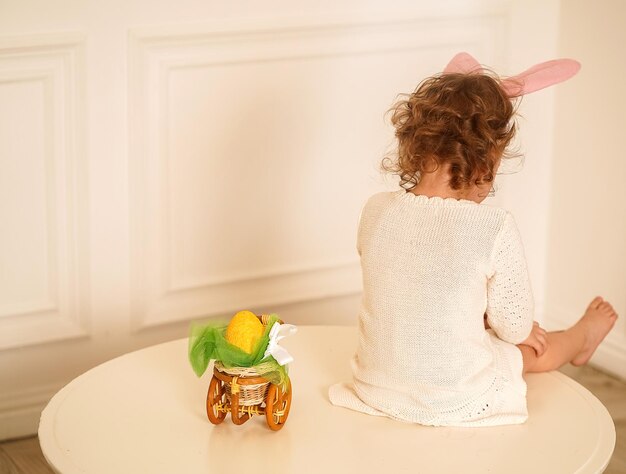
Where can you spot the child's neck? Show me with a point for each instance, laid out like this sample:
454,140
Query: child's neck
436,184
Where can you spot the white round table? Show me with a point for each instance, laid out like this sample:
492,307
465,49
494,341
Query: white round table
145,412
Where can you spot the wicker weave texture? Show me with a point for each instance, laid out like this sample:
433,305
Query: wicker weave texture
253,394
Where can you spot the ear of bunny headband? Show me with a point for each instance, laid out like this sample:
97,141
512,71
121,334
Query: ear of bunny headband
536,78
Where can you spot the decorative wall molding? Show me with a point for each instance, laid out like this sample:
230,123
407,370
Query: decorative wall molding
20,411
53,64
264,290
157,53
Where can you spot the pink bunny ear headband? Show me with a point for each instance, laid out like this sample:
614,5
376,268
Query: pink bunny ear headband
537,77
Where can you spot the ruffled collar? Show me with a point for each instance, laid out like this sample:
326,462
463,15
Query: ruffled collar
434,200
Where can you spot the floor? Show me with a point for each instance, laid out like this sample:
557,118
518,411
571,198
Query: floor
24,455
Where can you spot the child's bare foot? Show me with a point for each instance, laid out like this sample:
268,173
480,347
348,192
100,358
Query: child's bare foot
596,323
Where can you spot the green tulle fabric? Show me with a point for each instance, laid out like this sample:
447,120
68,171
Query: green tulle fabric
207,342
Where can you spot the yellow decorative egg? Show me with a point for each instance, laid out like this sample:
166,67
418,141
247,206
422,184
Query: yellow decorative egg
244,331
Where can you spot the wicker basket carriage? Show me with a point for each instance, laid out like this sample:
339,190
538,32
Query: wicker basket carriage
243,393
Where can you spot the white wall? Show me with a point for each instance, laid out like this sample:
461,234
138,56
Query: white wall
166,161
587,238
523,184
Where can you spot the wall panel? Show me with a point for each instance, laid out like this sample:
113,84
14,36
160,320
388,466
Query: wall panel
40,145
248,147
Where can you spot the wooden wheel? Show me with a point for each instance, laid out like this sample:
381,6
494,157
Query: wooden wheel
277,406
216,401
238,419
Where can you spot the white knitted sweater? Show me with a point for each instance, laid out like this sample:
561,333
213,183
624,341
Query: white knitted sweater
432,268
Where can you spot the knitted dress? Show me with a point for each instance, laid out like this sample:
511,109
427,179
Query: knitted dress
432,268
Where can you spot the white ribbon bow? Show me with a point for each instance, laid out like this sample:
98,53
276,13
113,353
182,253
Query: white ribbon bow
278,332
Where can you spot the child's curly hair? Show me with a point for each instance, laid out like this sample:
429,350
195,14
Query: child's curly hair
464,120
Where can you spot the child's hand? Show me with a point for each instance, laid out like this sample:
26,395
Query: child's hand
538,339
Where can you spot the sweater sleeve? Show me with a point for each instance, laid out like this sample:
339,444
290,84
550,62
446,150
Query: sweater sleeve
510,308
358,232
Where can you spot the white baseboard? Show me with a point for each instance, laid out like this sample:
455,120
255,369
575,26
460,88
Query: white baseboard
20,411
611,358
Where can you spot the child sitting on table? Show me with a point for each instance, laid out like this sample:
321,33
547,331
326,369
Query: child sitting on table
446,327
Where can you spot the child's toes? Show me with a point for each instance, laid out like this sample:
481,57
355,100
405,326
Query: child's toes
609,312
597,301
606,307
